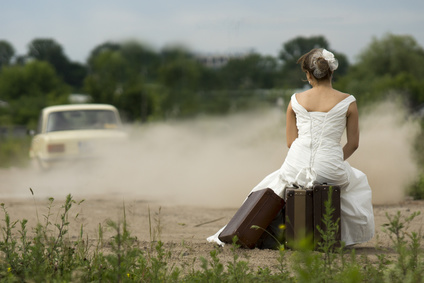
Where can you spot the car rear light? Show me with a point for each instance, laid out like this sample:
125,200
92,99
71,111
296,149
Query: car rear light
56,147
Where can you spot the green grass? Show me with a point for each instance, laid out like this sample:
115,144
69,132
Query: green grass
14,152
46,253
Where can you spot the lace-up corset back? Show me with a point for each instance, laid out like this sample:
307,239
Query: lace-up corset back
321,129
317,153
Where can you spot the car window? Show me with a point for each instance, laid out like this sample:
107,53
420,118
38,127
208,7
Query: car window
81,120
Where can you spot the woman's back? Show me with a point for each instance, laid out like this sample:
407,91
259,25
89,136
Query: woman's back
320,99
317,146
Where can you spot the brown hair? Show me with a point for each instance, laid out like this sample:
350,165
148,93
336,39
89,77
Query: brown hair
313,63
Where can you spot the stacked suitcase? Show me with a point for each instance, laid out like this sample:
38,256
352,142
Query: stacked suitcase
305,210
259,209
299,215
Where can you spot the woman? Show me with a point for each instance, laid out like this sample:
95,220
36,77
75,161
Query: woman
316,120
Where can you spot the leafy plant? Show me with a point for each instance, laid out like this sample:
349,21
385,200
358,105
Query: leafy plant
46,254
328,233
417,188
409,265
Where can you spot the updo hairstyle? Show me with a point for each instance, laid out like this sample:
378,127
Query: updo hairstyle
314,63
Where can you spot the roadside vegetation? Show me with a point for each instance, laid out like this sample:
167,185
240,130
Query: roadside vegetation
14,152
176,83
47,253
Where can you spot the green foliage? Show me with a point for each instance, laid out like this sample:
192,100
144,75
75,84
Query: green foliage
6,53
409,266
394,63
47,254
392,54
293,49
250,72
107,77
48,50
149,85
179,74
28,89
291,74
328,233
238,270
126,76
14,152
416,190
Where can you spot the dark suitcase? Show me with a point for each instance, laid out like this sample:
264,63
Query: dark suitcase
320,196
299,216
259,209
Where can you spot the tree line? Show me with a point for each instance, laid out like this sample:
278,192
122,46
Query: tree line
147,84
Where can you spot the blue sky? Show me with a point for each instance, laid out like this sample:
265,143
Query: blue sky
216,27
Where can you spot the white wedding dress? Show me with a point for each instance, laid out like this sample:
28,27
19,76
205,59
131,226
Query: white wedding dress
317,156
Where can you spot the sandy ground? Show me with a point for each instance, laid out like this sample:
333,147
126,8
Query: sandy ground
192,176
184,229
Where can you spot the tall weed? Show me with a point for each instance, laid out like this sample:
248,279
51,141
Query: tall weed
46,254
409,266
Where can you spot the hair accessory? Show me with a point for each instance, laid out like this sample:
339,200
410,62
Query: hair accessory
329,57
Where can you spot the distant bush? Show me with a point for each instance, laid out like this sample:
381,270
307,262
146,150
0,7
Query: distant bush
14,152
417,188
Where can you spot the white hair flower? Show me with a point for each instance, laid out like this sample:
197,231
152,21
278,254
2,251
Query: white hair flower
329,57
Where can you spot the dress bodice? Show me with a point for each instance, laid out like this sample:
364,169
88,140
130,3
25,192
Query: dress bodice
316,154
321,128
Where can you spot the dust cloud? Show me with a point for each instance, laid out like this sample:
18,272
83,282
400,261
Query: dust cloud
216,161
386,152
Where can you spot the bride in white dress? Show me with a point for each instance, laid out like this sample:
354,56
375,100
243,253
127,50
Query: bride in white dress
316,121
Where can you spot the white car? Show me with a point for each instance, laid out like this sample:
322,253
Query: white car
73,132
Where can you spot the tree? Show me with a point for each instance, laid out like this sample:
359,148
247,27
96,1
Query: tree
107,46
293,49
50,51
179,73
252,71
125,75
391,55
108,76
291,73
30,88
142,60
6,53
392,64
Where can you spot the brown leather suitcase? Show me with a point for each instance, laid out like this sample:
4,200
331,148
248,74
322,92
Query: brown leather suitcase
299,216
320,196
259,209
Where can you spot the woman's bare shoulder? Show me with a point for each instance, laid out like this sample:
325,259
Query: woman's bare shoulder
342,95
306,93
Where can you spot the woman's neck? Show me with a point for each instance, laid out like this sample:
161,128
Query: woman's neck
322,84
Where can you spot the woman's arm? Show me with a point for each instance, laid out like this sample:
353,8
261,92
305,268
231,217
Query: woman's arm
291,128
352,131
